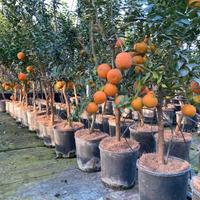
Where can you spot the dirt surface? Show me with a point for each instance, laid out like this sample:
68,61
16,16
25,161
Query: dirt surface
196,183
146,128
124,145
65,127
150,162
86,135
177,137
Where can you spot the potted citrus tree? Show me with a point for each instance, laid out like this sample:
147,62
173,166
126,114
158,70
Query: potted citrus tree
160,176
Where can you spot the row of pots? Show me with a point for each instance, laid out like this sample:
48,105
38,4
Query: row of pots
118,166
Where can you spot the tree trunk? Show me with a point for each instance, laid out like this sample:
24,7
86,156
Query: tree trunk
93,123
178,126
117,121
75,94
141,118
52,104
67,106
34,97
160,151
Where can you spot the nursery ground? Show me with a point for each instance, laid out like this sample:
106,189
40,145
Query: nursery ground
29,170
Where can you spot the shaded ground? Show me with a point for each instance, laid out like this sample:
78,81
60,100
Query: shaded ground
29,171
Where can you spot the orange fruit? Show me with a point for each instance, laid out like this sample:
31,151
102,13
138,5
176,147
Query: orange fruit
29,69
22,76
92,108
194,3
188,110
137,104
20,56
137,60
150,101
119,43
123,60
195,87
59,85
7,87
119,99
110,89
99,97
102,70
140,47
114,76
138,69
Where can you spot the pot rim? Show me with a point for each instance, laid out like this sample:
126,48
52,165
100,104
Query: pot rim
193,189
164,174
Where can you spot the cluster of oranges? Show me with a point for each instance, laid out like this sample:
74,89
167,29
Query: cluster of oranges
29,69
123,61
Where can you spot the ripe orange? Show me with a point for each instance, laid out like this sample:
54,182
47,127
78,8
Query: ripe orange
20,55
150,101
114,76
137,60
99,97
92,108
22,76
123,60
110,89
140,47
119,99
29,69
137,104
195,87
138,69
119,43
188,110
59,85
102,70
194,3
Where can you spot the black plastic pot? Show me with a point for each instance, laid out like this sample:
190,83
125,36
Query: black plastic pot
84,120
179,149
124,125
118,170
108,108
2,106
65,141
162,186
149,115
88,153
146,140
169,117
195,193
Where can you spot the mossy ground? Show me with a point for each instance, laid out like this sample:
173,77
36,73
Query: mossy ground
23,158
